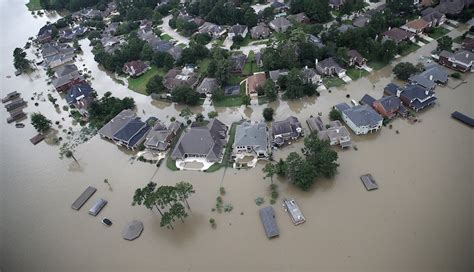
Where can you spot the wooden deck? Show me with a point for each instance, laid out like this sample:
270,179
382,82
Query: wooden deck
267,215
81,200
369,182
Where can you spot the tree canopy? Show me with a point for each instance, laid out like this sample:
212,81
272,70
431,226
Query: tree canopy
404,70
40,122
103,110
185,95
19,60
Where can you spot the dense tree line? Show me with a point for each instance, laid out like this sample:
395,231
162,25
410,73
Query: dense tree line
103,110
224,12
185,95
19,60
72,5
316,10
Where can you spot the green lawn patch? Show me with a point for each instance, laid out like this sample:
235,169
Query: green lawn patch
182,45
235,80
166,37
411,47
356,73
438,32
170,163
377,65
203,65
138,84
34,5
333,82
248,67
458,40
229,101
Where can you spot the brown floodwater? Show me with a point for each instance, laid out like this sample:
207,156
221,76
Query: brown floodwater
420,219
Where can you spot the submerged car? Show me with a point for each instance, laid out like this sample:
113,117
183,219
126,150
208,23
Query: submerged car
107,222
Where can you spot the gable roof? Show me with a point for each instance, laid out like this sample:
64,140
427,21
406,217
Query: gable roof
114,125
254,81
237,29
205,141
77,91
363,115
132,132
208,85
280,22
367,100
288,126
418,24
247,134
390,103
276,74
397,34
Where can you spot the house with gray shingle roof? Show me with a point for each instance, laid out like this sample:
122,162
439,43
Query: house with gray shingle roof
114,125
362,119
335,132
160,137
260,31
237,30
286,130
251,139
280,24
79,95
207,86
329,67
276,74
460,60
202,142
132,133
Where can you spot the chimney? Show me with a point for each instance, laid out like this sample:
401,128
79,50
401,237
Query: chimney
399,92
306,67
316,61
427,92
431,77
389,28
467,55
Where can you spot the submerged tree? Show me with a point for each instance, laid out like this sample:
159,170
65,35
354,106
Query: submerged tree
184,190
66,151
40,122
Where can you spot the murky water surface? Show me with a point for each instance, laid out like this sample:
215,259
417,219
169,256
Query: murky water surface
421,218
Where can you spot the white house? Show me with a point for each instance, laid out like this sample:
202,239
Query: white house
362,119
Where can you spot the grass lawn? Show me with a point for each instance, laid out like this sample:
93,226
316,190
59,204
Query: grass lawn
229,101
139,84
166,37
203,64
248,67
458,40
333,82
235,80
170,163
34,5
411,47
438,32
182,45
356,73
377,65
228,151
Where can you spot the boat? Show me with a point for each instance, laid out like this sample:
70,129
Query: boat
19,125
106,222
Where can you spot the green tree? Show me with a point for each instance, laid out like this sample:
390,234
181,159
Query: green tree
19,60
66,151
166,219
320,156
270,171
246,100
212,114
185,95
270,90
300,172
40,122
147,197
445,43
268,114
335,115
184,191
404,70
155,85
178,210
280,168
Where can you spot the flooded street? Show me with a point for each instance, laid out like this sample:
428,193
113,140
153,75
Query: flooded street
420,219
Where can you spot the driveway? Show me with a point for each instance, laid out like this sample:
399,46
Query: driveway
165,27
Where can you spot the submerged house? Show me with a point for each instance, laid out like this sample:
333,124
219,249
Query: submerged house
433,75
413,96
160,137
460,60
65,77
334,132
389,107
125,129
202,142
251,139
80,95
362,119
286,130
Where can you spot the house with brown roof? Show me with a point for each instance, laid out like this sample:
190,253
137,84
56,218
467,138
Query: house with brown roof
183,77
468,44
417,26
389,106
398,35
355,58
460,60
135,68
253,82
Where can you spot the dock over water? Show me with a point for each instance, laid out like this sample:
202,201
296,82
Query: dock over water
294,211
463,118
267,215
83,198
